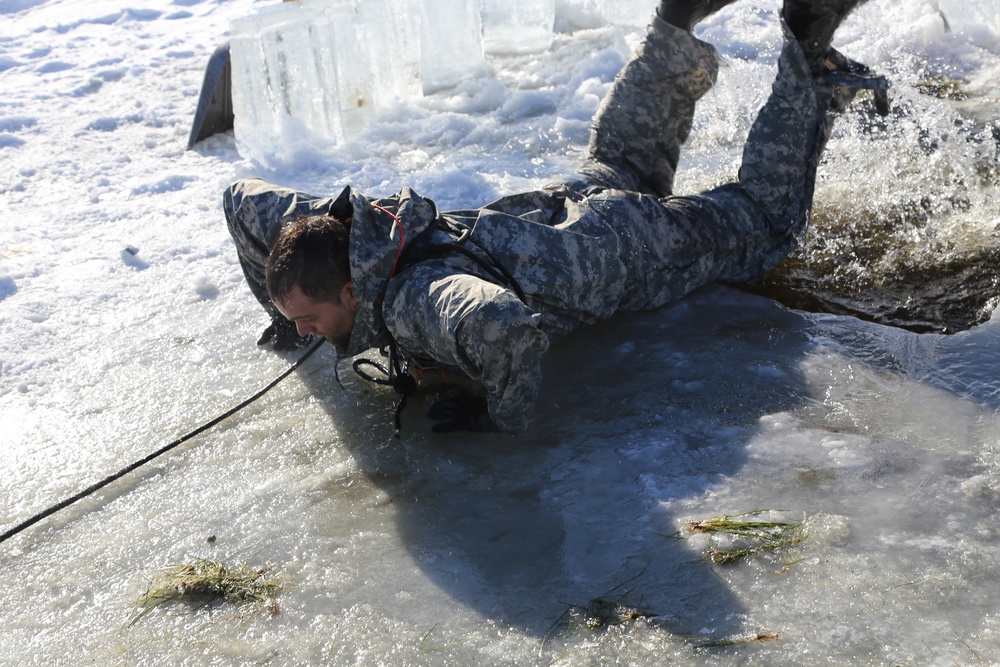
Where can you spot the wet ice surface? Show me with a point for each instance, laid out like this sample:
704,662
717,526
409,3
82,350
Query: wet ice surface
446,550
431,550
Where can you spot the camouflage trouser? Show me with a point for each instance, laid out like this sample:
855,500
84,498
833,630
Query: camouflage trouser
636,138
672,245
647,115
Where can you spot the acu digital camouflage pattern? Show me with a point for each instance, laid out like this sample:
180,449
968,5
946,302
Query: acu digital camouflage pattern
607,240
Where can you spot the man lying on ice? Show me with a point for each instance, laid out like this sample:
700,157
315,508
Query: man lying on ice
488,290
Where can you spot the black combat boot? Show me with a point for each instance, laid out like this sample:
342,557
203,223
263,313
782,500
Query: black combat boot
685,14
849,76
813,23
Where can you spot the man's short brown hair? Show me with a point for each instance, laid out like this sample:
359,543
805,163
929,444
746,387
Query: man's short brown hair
311,253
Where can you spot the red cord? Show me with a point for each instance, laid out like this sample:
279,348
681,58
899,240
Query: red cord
399,251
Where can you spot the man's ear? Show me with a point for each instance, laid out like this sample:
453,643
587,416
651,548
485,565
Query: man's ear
347,295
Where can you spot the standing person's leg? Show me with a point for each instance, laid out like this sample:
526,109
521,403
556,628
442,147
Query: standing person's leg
637,133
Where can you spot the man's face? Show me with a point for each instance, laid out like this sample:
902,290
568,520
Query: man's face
330,319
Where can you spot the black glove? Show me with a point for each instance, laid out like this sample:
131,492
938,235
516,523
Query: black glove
461,412
282,335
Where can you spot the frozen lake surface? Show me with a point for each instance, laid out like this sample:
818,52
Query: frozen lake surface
470,549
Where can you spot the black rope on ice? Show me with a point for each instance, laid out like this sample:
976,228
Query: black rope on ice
124,471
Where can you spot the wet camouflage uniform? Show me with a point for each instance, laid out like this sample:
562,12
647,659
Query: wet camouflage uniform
608,240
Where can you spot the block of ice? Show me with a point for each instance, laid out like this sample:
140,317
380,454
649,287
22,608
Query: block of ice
299,78
389,30
626,12
270,80
517,26
451,43
310,73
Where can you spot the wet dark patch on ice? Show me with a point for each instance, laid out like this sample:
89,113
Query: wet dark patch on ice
516,528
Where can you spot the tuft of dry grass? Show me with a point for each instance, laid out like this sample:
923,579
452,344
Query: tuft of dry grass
205,580
759,637
751,536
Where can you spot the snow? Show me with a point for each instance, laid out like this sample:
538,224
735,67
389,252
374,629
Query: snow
125,323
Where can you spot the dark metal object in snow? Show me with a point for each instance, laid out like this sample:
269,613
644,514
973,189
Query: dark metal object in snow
215,105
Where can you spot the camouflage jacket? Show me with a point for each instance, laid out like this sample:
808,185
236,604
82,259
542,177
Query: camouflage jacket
559,261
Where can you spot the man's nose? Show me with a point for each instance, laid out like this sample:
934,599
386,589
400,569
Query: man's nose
304,329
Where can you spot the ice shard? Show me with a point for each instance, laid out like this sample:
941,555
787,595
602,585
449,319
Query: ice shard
284,88
517,26
626,12
452,43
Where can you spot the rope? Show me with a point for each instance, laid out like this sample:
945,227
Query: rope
124,471
395,377
402,236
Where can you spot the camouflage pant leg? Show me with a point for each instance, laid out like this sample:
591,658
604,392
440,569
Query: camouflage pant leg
643,120
785,141
256,212
673,245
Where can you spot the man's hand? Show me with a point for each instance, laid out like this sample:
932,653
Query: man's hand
461,412
282,335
